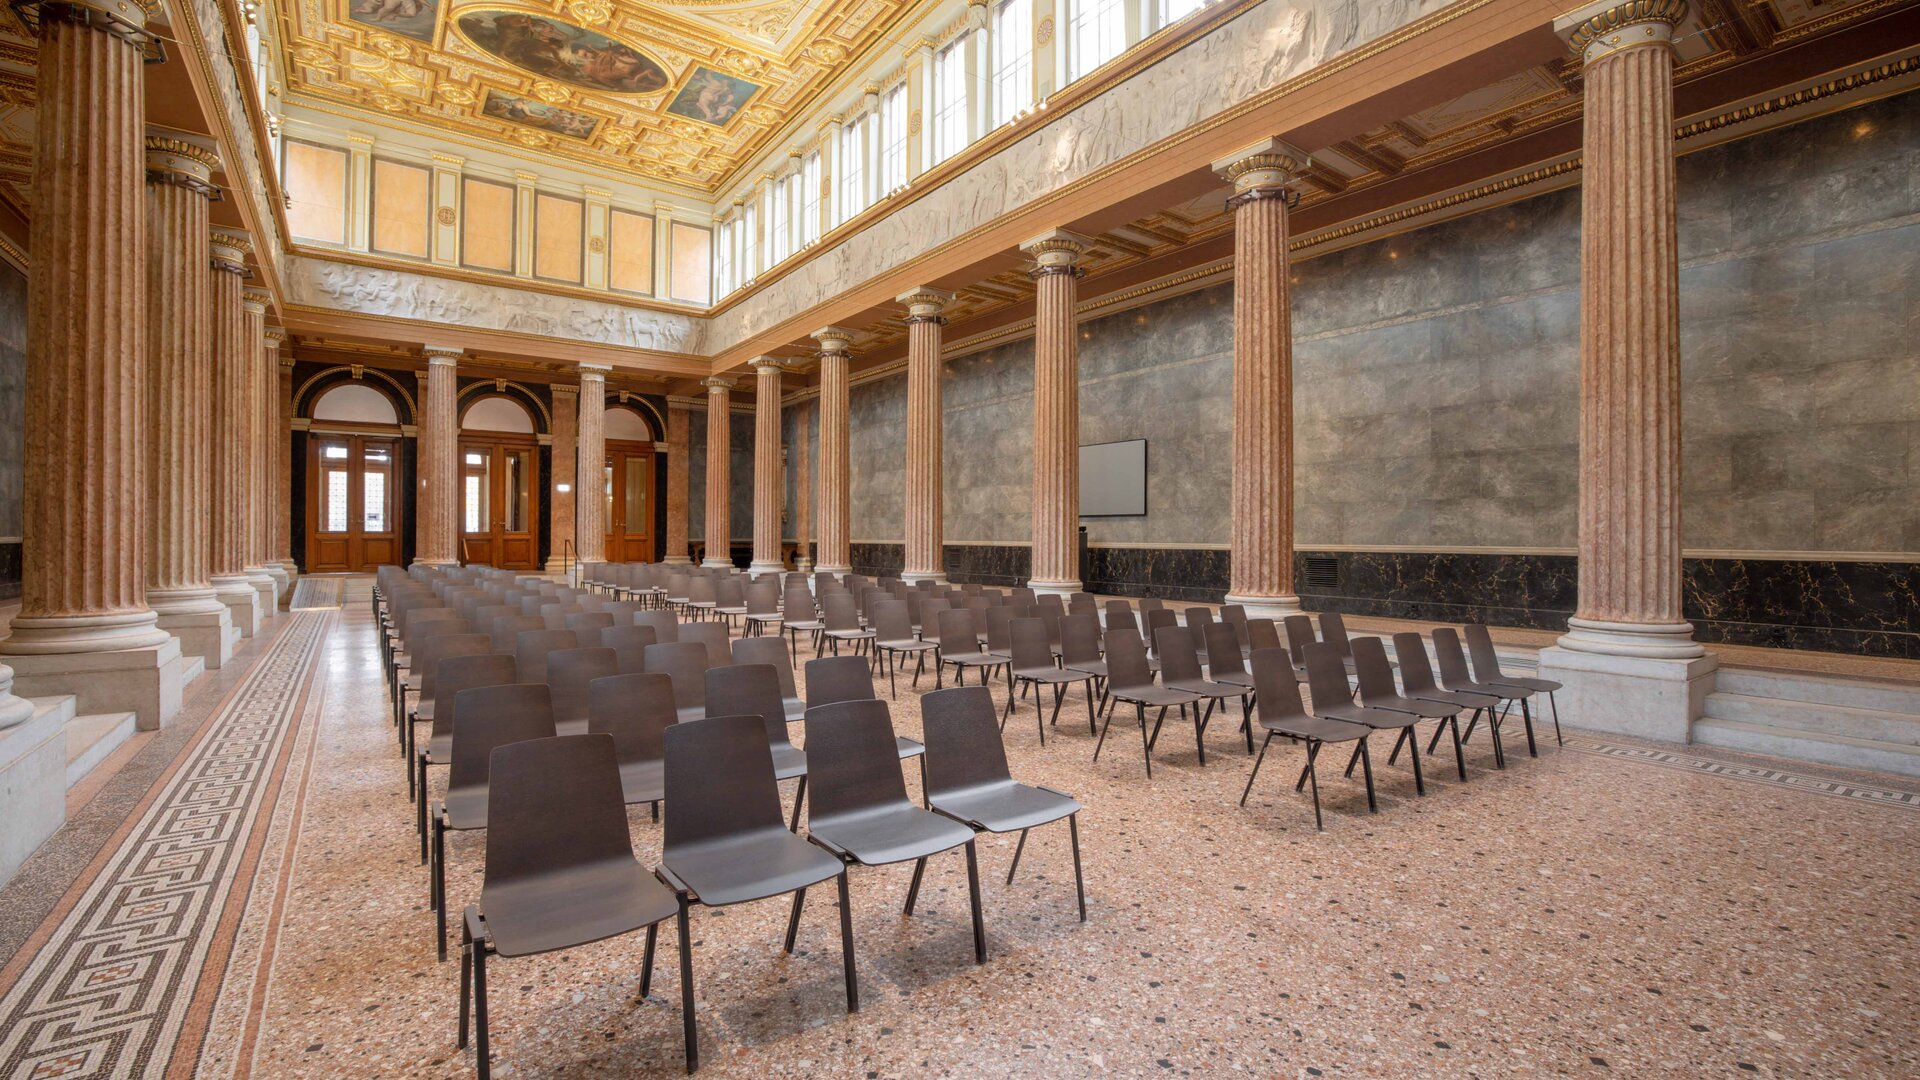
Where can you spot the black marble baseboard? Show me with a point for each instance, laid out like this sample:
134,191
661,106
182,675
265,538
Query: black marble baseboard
877,560
1193,575
10,570
1868,608
1535,592
1002,565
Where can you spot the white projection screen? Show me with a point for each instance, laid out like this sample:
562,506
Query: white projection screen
1113,479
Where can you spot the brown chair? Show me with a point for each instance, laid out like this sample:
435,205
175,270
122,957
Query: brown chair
636,709
1374,674
967,777
506,630
421,668
858,809
893,637
1278,712
1080,646
1486,670
754,690
560,870
726,842
714,636
1333,700
959,639
1130,680
666,627
1032,665
799,615
773,650
1454,677
1180,670
530,652
629,645
833,679
686,663
842,624
451,676
587,626
569,674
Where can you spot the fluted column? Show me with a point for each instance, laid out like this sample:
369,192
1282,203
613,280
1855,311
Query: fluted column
590,505
561,548
266,376
719,471
83,589
679,444
1056,412
283,494
836,555
802,455
227,520
925,537
439,506
768,476
180,371
1262,529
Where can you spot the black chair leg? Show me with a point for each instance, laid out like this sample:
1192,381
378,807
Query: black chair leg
1018,850
1359,749
1394,756
1413,751
689,1031
1102,741
799,800
481,1050
846,947
1256,767
420,806
1459,755
1200,729
1555,703
1366,764
440,884
913,890
1079,882
1526,718
1146,744
793,921
973,894
646,963
466,979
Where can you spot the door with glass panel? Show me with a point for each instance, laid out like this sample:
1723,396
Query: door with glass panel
628,490
351,524
499,505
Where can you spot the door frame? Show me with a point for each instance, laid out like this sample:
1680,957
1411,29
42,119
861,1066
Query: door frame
497,444
356,538
617,541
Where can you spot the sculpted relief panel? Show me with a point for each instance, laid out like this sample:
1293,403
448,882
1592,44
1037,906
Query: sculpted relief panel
370,291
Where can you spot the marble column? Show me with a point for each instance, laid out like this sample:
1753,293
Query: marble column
802,490
227,325
1628,658
1056,412
836,554
925,534
562,552
768,475
679,444
439,506
254,304
268,451
590,501
719,471
179,391
1261,571
283,494
84,626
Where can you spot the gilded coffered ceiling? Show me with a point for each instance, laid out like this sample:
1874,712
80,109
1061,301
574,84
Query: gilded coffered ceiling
679,91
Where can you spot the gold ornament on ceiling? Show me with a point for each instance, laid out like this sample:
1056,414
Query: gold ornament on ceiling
596,244
444,215
591,12
827,52
455,94
549,93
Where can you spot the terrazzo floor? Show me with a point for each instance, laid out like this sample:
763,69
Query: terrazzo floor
1586,912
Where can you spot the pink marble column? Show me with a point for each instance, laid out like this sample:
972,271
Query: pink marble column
283,493
273,450
227,520
679,445
179,399
836,556
768,476
802,490
439,506
590,508
256,303
1056,412
561,549
719,471
1262,531
925,533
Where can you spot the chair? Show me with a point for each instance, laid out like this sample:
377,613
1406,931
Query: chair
666,626
530,652
726,843
490,716
1333,700
773,650
763,608
686,663
1080,646
587,626
1486,669
730,600
1278,711
967,778
1032,665
703,596
833,679
422,666
451,676
858,809
560,870
506,630
629,645
1130,680
569,674
1454,677
556,615
1180,670
754,690
1375,676
893,637
959,639
714,636
636,709
843,624
1333,631
798,615
1226,665
1300,634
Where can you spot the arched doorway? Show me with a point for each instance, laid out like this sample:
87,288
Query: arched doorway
353,480
499,478
628,485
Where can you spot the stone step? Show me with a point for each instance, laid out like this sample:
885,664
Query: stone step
195,667
91,738
1902,759
1819,718
1873,694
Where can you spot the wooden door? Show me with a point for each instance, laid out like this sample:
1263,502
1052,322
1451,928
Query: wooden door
499,504
351,520
628,490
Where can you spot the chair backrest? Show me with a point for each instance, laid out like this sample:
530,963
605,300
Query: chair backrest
1050,616
956,634
1156,620
714,636
629,645
636,710
1000,619
700,591
1024,596
1235,615
507,629
1122,618
1178,660
459,673
556,614
1083,605
890,621
930,609
531,604
1276,693
1031,651
493,716
1299,635
1127,661
797,606
749,690
1079,638
432,650
1453,662
587,626
686,663
666,627
763,599
532,649
1372,671
623,611
552,805
838,678
1415,673
768,650
853,762
841,612
569,672
484,615
413,619
1198,619
1223,650
1333,631
719,782
1262,634
1486,662
1151,603
730,593
1327,677
963,740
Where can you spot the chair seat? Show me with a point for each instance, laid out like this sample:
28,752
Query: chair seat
570,727
1532,686
796,709
1235,678
907,645
1420,707
849,635
423,710
750,866
805,624
1460,698
1005,805
466,808
889,834
908,748
1318,728
1095,668
788,762
730,610
643,781
573,906
1360,714
1051,675
1208,689
1152,696
440,749
978,659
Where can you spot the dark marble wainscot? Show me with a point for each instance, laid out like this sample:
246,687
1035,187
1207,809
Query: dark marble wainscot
877,560
988,564
1195,575
1532,591
10,570
1864,608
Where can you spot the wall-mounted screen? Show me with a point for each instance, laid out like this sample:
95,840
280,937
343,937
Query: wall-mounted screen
1113,479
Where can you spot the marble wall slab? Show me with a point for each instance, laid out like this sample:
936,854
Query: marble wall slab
13,400
1534,591
877,461
740,505
1195,575
1853,607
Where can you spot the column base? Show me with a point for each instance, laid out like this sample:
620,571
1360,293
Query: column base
61,635
557,566
209,635
677,560
1646,697
839,572
243,603
718,564
292,569
281,583
1267,607
1654,641
915,577
1054,588
146,682
13,710
435,562
766,566
268,589
33,777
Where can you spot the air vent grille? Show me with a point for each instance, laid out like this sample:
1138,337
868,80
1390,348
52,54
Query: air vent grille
1322,571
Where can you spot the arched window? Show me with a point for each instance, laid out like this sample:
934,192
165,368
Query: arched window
357,403
627,424
497,413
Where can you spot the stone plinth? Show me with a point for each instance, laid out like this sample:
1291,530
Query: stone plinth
33,780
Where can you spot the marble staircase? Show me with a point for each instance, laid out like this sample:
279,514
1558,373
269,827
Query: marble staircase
1854,723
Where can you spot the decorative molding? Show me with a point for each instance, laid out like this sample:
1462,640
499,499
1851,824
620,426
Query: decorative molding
357,373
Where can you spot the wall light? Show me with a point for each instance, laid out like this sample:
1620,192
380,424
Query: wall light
563,488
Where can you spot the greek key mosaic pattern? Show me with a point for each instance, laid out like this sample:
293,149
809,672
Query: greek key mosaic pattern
108,992
1820,785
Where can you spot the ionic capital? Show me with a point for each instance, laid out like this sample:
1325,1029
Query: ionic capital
1056,251
1267,164
275,336
595,374
174,160
1601,29
924,303
256,301
228,250
443,355
834,341
719,385
768,365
